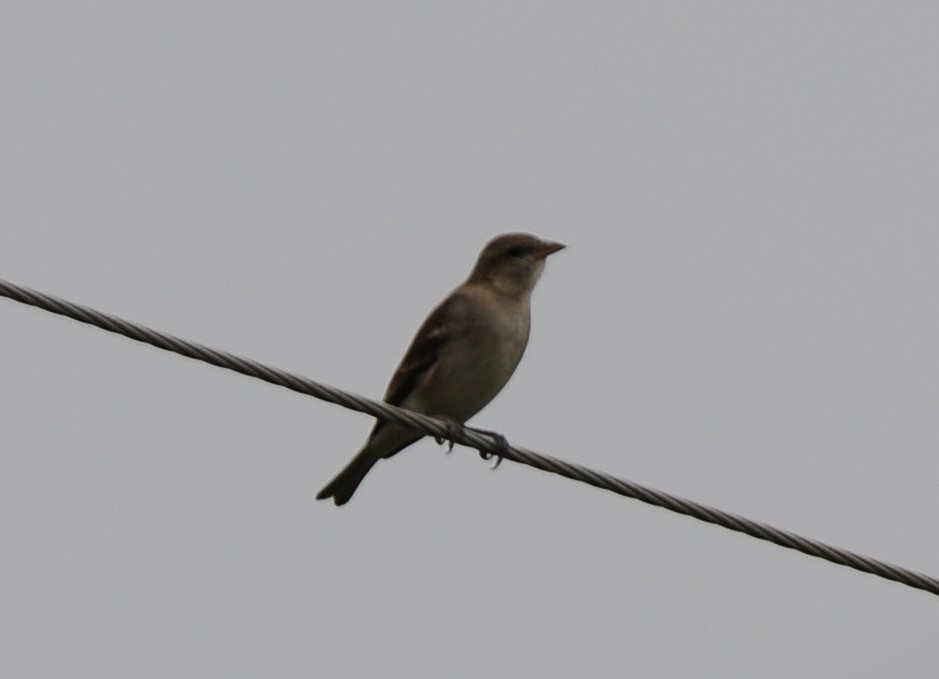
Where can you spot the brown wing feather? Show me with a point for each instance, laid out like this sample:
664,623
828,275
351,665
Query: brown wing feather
422,354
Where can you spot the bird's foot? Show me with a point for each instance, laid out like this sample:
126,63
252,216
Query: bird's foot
501,444
453,428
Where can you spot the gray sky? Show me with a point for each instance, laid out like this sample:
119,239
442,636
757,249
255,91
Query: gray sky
745,315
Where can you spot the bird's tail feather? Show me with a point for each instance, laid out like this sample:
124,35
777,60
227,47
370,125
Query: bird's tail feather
343,486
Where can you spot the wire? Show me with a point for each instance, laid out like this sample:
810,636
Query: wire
470,437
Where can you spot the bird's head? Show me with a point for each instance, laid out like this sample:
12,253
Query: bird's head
513,262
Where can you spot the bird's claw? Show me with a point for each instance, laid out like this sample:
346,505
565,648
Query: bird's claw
453,427
501,443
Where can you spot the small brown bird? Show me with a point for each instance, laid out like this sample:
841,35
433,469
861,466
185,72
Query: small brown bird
462,355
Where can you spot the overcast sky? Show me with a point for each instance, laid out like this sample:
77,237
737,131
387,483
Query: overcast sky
745,316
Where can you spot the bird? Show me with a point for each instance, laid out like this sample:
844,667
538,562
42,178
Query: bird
462,355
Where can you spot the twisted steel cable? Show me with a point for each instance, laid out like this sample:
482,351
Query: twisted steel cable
481,441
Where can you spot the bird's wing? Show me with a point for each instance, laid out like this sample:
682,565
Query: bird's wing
424,352
422,355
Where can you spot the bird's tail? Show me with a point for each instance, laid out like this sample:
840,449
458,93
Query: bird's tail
343,486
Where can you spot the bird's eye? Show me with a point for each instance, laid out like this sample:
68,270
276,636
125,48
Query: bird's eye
517,251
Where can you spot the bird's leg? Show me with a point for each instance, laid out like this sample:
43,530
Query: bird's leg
453,428
501,443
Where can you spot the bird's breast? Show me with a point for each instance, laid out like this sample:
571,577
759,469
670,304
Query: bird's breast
478,365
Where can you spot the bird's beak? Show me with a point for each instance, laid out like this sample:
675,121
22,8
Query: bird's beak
548,248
